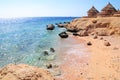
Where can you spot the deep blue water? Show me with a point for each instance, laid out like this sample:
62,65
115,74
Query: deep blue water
23,40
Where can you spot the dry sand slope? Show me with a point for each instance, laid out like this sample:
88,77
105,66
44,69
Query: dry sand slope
104,60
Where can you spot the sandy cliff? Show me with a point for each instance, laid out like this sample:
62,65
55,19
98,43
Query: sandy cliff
100,25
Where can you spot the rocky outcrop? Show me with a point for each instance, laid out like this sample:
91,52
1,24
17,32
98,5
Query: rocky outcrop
63,35
106,43
71,28
101,26
24,72
83,33
50,27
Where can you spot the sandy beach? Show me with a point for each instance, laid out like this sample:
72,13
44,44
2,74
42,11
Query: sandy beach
98,62
101,60
74,60
60,40
104,61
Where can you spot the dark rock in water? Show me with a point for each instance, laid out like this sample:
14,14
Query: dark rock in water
45,53
65,22
89,43
50,27
52,49
68,22
39,58
63,35
56,23
49,66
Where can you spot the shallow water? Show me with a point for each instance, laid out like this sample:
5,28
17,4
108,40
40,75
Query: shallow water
23,40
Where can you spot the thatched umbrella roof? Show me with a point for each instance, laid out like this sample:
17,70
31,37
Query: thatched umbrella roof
92,10
109,7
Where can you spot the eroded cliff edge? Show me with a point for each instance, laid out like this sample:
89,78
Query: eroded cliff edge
102,26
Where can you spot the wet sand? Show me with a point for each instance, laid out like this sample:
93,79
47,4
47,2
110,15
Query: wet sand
96,62
74,59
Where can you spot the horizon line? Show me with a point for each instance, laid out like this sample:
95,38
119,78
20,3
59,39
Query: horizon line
36,16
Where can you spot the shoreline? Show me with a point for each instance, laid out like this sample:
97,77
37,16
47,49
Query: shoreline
74,60
95,62
99,62
104,63
80,61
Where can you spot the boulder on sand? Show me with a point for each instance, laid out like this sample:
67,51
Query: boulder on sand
106,43
50,27
89,43
63,35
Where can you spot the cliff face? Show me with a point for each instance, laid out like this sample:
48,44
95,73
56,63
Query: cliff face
24,72
106,25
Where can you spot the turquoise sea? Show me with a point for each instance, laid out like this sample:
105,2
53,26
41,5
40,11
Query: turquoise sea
23,40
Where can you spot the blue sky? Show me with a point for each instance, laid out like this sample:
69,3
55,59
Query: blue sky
38,8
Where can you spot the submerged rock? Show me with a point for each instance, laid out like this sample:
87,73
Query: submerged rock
50,27
63,35
49,66
45,53
52,49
